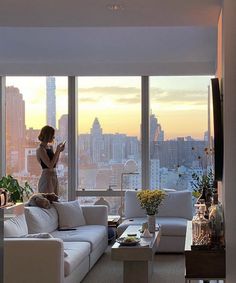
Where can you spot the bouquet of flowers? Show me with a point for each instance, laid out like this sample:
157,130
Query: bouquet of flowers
150,200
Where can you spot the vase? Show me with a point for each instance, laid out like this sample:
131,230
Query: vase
151,223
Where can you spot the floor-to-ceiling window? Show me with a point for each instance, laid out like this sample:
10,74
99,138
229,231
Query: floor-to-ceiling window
109,127
31,103
109,117
180,131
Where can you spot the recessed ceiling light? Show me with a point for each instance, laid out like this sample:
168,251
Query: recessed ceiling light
115,7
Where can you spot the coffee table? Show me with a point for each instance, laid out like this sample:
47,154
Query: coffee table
138,259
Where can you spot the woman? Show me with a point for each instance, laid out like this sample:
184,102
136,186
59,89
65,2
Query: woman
47,158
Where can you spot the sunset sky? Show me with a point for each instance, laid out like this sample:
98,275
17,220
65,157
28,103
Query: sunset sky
180,103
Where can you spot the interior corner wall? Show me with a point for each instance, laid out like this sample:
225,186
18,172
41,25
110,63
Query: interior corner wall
229,105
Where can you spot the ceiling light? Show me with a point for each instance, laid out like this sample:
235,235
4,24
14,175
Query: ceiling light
115,7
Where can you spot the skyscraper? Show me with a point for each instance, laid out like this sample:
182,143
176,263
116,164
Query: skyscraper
156,133
51,101
15,129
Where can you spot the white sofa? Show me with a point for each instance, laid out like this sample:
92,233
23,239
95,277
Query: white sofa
173,215
63,257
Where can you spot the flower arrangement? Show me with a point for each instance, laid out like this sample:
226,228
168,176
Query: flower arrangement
150,200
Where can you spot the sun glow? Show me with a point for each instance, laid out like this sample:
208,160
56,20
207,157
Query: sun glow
179,103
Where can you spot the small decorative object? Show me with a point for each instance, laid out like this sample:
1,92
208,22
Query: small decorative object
216,223
144,226
151,223
146,234
150,200
3,197
16,192
200,229
128,241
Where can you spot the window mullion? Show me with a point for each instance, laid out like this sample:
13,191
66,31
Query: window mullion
3,126
72,136
145,133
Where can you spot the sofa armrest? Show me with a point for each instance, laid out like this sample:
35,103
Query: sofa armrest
33,260
95,214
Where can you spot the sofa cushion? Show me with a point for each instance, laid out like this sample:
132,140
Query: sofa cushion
76,253
93,234
41,220
170,226
15,227
70,214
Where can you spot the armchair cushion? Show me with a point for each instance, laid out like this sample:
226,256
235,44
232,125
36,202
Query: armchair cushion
70,214
175,204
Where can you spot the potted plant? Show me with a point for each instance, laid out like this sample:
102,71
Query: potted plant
151,200
200,182
16,193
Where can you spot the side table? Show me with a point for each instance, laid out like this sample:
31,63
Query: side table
113,222
202,264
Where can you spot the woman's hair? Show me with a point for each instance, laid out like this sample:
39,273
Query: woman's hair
46,134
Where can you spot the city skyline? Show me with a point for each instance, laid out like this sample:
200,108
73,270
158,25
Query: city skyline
178,102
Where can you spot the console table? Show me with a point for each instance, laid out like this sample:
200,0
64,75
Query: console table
202,264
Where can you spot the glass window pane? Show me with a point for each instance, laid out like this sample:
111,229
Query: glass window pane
109,133
179,130
31,103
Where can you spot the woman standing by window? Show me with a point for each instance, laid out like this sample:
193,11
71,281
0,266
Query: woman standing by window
47,158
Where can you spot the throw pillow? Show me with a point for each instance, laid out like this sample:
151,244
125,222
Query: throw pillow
15,227
70,214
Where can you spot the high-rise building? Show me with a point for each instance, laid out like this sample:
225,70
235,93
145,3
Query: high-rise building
63,127
156,133
97,144
15,130
51,101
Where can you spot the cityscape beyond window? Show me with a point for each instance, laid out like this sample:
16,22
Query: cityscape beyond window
109,130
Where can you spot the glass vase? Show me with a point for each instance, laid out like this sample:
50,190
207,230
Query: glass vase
151,223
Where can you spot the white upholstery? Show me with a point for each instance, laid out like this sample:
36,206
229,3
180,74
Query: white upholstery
76,253
70,214
84,233
172,216
177,204
168,207
169,225
30,260
15,227
68,261
41,220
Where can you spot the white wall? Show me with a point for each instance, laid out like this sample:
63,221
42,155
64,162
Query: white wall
229,91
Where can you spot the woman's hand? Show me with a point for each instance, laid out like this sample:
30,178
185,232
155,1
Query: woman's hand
61,147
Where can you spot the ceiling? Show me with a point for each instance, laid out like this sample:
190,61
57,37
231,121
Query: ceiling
86,37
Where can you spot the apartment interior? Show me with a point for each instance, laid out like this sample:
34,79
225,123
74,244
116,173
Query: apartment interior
130,38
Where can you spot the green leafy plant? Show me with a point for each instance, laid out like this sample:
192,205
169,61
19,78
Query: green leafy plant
202,181
15,191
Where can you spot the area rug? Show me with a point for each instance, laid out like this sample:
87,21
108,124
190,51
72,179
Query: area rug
167,268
